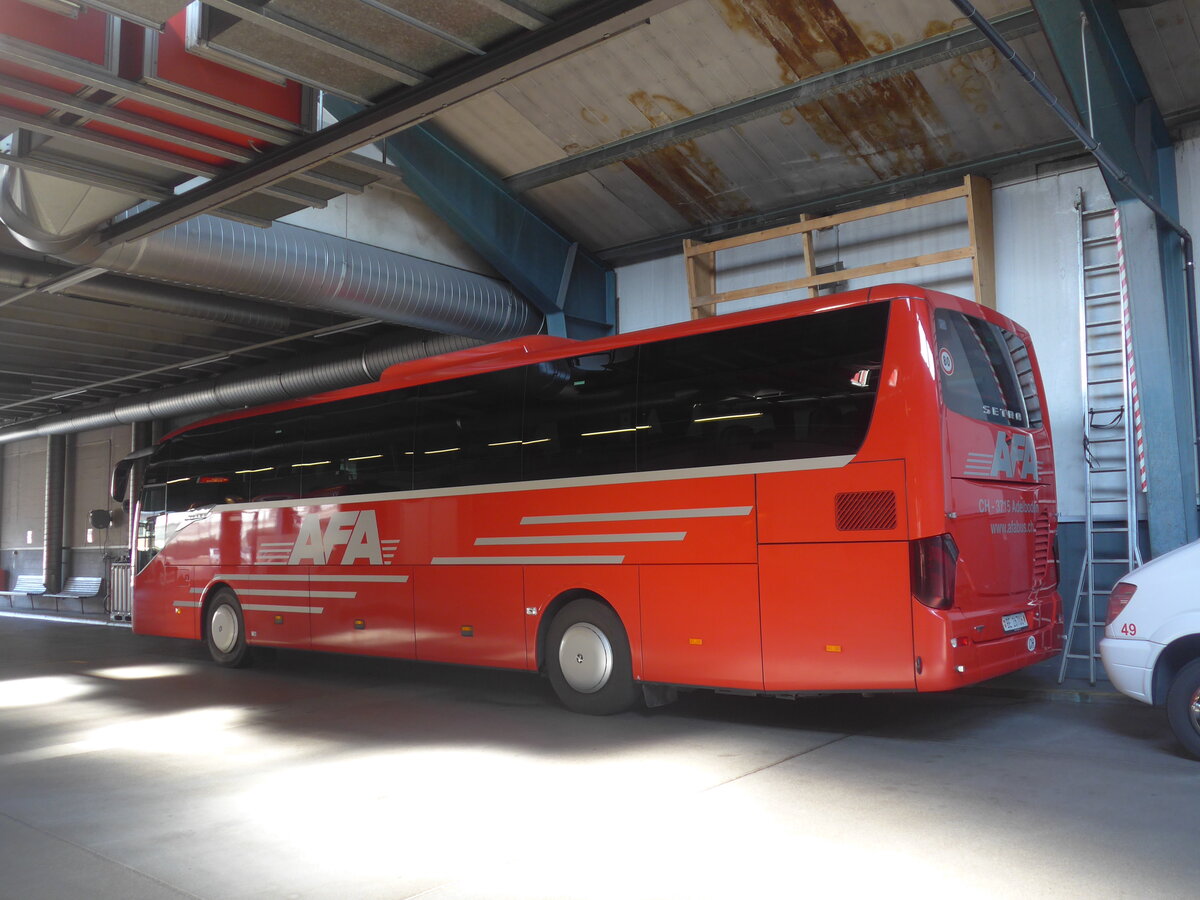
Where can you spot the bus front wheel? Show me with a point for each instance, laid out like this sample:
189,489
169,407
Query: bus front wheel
225,630
588,659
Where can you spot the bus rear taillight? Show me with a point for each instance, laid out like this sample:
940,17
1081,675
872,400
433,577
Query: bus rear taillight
1118,600
934,562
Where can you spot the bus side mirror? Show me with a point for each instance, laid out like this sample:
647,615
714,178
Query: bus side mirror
120,482
119,486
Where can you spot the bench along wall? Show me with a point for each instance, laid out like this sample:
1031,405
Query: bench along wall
90,458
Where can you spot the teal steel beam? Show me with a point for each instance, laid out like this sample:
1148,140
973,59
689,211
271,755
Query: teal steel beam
575,292
1110,91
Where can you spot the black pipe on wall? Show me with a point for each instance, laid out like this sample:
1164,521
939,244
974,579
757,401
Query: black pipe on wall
56,492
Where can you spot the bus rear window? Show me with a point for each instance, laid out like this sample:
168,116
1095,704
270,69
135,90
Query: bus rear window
978,372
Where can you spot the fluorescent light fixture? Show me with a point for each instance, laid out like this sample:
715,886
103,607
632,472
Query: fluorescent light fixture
443,450
204,362
361,458
504,443
323,462
254,471
730,416
536,441
351,326
615,431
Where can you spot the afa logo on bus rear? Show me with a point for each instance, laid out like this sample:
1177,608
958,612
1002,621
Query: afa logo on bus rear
1015,458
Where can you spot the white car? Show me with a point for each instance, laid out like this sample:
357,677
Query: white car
1151,645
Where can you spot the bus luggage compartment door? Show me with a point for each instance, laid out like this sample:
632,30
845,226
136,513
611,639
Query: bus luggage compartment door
836,616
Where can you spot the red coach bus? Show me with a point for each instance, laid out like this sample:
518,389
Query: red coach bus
850,493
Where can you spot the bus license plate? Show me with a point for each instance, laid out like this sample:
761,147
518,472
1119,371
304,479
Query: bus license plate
1015,622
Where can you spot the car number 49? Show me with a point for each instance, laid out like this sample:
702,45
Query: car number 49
1129,629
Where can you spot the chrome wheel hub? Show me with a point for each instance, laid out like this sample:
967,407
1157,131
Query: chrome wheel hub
1194,710
585,657
224,628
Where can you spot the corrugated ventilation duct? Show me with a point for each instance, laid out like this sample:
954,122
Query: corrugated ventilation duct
179,301
295,266
253,387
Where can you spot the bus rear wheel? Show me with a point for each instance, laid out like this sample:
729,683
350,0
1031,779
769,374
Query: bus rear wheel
225,630
588,659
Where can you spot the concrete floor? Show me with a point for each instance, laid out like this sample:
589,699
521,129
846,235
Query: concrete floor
132,767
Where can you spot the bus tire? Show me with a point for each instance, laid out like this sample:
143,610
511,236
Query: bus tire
1183,707
588,659
225,630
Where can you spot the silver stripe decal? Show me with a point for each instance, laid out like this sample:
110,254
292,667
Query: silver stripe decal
551,484
639,515
272,592
335,578
264,607
188,604
225,577
526,560
645,537
375,579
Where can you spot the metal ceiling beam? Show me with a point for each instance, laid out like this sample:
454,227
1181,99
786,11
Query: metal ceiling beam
279,23
127,327
175,368
61,100
895,62
591,23
50,62
28,358
173,161
422,25
517,12
386,174
820,204
144,153
151,300
83,174
18,334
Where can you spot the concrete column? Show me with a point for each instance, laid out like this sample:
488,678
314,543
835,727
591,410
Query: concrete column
52,537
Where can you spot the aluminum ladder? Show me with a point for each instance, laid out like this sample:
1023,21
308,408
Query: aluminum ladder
1114,468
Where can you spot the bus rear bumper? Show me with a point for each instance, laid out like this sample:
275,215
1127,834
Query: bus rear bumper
972,663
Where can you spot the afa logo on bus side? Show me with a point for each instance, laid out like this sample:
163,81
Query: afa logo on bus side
355,531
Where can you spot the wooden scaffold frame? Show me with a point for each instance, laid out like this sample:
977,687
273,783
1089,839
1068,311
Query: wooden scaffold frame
700,258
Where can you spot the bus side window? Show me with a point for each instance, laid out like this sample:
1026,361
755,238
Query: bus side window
274,464
580,415
468,431
791,389
367,443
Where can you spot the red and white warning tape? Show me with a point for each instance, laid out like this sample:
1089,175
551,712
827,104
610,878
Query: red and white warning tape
1139,437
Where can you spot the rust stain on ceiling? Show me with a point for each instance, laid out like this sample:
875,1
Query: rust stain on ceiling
682,174
892,126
